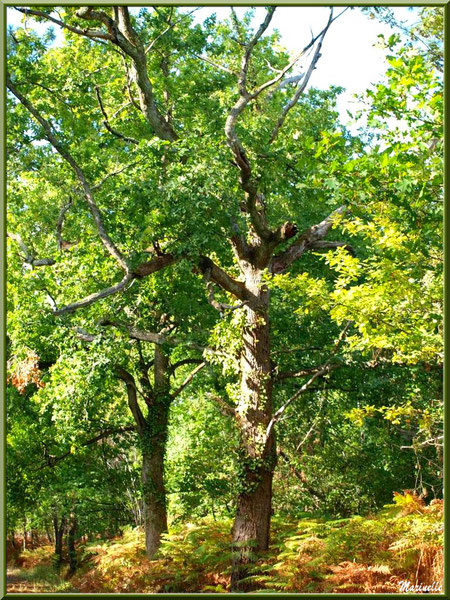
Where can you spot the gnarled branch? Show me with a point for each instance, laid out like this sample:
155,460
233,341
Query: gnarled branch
225,281
304,242
28,256
122,34
301,88
95,211
132,398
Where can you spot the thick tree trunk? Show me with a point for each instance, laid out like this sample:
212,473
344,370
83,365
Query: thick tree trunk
59,535
258,455
154,496
154,441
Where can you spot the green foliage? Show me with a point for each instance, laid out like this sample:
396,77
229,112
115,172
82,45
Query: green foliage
370,309
201,469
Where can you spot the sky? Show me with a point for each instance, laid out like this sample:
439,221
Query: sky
350,56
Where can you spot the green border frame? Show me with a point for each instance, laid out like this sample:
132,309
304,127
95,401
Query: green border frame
3,7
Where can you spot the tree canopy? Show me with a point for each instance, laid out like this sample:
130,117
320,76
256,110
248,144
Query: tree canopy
220,300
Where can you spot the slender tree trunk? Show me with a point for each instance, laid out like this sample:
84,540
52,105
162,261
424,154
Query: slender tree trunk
49,534
257,454
59,535
71,535
24,540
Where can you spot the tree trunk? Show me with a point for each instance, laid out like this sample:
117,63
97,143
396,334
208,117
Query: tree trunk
154,440
154,496
49,534
257,454
24,540
13,540
59,534
71,545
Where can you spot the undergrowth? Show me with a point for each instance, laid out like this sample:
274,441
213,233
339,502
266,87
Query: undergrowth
371,554
36,567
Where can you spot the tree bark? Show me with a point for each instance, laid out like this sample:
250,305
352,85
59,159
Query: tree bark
154,492
71,534
13,540
59,534
257,454
154,439
24,540
49,534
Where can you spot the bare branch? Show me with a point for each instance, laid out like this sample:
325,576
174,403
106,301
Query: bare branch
326,368
285,83
215,273
188,379
302,477
214,64
325,245
107,124
219,306
322,370
92,298
313,424
294,374
184,361
306,77
155,264
132,398
304,83
245,63
134,333
159,338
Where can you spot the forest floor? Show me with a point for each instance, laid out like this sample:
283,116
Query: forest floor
376,553
32,572
18,582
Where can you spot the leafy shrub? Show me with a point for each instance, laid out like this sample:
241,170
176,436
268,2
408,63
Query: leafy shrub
372,554
364,555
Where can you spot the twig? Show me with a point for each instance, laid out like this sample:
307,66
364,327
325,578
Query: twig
107,124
